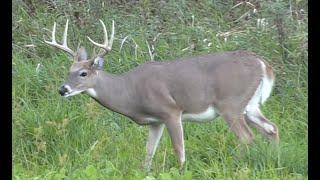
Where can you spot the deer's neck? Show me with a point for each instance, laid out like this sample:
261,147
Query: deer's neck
111,91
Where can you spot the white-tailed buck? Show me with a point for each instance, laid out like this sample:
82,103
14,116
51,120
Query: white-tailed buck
164,94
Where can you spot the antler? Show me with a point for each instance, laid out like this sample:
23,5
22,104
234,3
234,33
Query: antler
107,45
64,45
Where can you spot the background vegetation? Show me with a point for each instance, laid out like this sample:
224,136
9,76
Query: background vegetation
76,138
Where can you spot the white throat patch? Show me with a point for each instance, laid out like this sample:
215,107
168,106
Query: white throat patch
92,92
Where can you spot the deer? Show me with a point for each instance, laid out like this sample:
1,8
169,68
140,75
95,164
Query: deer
232,84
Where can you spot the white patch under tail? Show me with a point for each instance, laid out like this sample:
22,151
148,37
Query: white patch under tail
267,84
263,91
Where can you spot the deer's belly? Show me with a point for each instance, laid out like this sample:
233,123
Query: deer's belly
209,114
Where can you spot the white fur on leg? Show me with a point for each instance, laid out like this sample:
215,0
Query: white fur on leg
154,137
183,156
266,126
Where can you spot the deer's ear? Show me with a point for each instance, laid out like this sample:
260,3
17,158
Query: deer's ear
81,54
98,62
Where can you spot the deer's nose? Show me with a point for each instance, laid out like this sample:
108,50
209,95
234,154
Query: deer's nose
63,90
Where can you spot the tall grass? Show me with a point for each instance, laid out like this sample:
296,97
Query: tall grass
76,138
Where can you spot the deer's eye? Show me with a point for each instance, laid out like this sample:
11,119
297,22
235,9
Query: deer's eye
83,74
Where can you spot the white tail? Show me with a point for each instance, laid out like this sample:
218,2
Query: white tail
163,94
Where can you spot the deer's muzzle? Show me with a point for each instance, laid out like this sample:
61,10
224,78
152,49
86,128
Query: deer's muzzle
63,90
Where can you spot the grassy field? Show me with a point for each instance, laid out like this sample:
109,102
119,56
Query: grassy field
76,138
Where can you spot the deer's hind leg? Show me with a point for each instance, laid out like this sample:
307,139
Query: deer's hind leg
256,119
239,126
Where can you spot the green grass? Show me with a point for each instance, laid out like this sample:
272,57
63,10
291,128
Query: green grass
76,138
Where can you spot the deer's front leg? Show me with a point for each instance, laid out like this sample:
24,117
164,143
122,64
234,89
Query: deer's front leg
175,129
155,133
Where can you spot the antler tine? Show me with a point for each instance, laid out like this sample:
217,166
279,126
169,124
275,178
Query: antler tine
53,37
105,33
65,34
107,45
64,45
54,32
112,35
